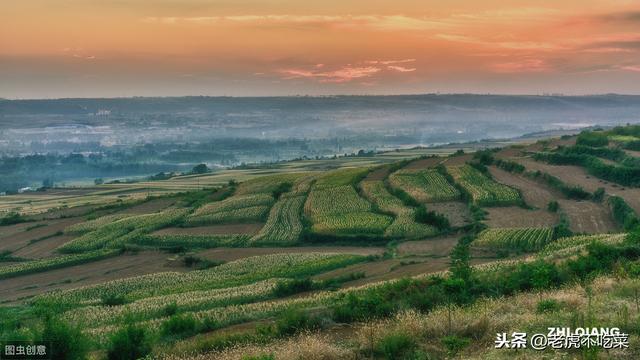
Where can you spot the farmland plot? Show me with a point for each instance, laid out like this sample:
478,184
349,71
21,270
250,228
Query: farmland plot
335,208
284,224
483,191
404,224
527,239
424,185
241,208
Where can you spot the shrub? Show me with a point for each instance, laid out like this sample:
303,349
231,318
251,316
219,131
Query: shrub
431,218
129,343
113,300
170,309
396,345
590,138
293,321
553,206
454,344
598,195
179,325
547,305
290,287
68,342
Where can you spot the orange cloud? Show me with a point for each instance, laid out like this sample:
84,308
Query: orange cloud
400,68
527,65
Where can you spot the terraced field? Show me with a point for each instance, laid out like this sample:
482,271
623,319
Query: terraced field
404,224
335,208
424,185
289,253
527,239
483,191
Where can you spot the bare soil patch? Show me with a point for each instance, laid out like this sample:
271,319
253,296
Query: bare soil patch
149,207
517,217
394,269
575,175
457,212
43,248
17,240
424,163
378,174
119,267
534,193
588,217
230,254
458,160
433,247
632,153
213,230
509,152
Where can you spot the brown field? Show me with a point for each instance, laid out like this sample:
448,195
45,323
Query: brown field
378,174
424,163
43,248
575,175
21,239
86,274
534,193
148,207
588,217
393,269
509,152
513,216
433,247
213,230
230,254
458,160
457,212
632,153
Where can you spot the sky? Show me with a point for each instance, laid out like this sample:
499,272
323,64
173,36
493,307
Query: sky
120,48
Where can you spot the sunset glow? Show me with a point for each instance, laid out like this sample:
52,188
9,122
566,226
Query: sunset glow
69,48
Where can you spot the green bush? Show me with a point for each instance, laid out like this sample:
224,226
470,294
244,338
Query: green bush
293,321
590,138
422,215
290,287
454,344
179,326
547,305
129,343
67,342
553,206
396,346
114,300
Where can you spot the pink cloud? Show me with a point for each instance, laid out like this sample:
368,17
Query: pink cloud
344,74
400,68
527,65
635,68
389,62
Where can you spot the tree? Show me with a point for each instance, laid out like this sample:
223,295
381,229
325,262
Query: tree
200,169
98,181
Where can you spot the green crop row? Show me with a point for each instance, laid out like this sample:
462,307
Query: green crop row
481,189
424,185
525,239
